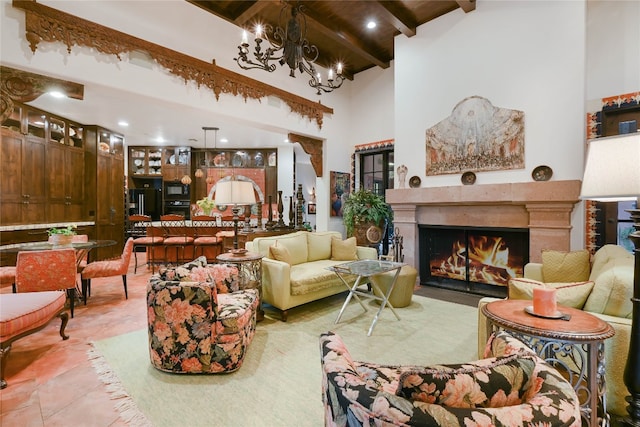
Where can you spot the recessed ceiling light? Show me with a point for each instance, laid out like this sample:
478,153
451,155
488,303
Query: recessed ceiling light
223,140
123,123
57,94
371,25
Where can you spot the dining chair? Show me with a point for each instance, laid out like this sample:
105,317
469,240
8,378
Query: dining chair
205,227
175,234
139,230
47,270
107,268
8,277
81,263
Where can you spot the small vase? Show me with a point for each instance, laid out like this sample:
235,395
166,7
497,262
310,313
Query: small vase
207,212
60,240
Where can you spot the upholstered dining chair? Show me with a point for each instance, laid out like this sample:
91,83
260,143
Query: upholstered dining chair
82,263
47,270
8,277
139,230
175,235
108,268
205,234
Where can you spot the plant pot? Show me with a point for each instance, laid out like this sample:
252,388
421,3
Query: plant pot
61,240
368,233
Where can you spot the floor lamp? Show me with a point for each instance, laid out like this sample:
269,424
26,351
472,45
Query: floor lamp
237,194
612,173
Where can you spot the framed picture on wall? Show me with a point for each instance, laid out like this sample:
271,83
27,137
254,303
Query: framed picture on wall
340,183
311,208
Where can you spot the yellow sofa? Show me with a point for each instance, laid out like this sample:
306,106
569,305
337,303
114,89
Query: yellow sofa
610,299
306,278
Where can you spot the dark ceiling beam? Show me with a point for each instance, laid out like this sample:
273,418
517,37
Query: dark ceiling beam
345,39
398,15
253,10
467,5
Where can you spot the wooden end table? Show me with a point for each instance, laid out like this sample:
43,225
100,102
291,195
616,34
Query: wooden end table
574,346
250,273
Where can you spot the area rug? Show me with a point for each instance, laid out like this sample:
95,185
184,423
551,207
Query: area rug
279,383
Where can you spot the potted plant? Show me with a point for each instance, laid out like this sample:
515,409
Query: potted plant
206,204
363,210
62,236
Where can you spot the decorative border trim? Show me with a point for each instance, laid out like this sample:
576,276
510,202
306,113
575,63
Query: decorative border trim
45,24
369,146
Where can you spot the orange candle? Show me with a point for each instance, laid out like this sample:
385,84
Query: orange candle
544,301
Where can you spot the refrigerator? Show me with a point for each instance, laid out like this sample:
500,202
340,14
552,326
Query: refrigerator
146,201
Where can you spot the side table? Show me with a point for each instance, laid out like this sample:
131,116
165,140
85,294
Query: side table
250,273
574,347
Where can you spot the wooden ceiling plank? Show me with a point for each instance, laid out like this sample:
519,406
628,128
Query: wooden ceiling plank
252,11
467,5
346,40
398,16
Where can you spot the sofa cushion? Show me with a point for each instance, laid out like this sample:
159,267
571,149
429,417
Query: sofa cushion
613,289
488,383
344,250
314,276
605,254
280,253
319,245
568,294
565,267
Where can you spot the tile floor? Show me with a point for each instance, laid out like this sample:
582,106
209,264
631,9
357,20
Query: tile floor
51,381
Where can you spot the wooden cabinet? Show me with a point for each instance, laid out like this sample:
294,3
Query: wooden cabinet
176,163
145,162
22,181
104,171
65,183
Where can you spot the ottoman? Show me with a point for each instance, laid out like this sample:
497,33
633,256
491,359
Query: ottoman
402,291
24,313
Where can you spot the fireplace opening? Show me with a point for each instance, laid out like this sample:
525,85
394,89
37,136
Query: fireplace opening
478,260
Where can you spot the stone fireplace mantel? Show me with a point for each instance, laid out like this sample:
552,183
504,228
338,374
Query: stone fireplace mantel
542,207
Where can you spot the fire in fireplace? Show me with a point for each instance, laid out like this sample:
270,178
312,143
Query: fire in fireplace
472,259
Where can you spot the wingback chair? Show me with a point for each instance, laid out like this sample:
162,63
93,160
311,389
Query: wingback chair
198,321
107,268
47,270
513,387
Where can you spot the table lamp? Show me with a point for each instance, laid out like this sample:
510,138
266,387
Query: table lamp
238,194
612,173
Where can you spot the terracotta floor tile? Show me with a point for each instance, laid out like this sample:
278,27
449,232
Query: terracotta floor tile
28,416
20,395
91,409
77,382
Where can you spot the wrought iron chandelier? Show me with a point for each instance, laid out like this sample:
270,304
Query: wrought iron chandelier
288,45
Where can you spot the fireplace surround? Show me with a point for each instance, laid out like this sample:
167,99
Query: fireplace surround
542,207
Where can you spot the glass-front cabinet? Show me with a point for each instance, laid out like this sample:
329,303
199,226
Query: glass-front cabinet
145,162
176,163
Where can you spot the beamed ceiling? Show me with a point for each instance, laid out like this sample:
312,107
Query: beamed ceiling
338,28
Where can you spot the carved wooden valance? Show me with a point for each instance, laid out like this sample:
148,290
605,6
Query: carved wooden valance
311,146
22,86
46,24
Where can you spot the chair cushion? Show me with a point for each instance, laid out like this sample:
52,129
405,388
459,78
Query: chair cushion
235,311
28,310
344,250
280,253
148,240
568,294
183,273
613,289
558,266
206,240
488,383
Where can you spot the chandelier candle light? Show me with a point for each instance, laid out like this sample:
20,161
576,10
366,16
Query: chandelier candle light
612,173
289,46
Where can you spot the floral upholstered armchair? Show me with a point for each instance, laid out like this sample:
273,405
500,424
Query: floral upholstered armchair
199,322
514,387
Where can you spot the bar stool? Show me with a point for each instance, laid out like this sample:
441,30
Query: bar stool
175,234
139,226
205,233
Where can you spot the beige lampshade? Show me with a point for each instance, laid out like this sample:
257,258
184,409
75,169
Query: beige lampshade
235,193
612,171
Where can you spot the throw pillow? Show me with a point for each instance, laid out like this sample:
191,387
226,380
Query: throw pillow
565,266
480,385
280,253
193,271
567,294
344,250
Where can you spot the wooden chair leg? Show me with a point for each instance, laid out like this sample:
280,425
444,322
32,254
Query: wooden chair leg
84,290
135,258
4,354
124,282
64,316
72,299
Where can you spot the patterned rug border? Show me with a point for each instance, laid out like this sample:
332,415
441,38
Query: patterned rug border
124,405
